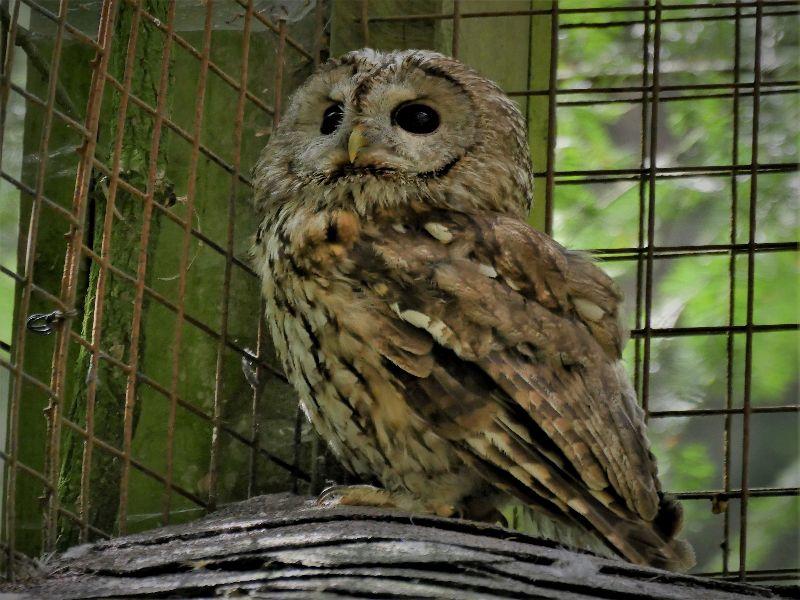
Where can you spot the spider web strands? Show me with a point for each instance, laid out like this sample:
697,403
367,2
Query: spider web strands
75,33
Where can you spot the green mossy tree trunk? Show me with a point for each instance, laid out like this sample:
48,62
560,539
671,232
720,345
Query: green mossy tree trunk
118,301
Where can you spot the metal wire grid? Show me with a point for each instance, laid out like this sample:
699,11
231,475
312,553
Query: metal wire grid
649,93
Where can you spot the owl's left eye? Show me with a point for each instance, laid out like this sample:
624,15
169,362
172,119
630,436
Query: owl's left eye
416,118
331,119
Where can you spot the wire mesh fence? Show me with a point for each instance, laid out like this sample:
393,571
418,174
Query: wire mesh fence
138,384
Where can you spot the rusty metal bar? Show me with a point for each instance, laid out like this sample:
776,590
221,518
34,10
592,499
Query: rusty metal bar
643,157
551,120
651,208
700,250
10,461
365,22
237,142
692,170
149,201
759,575
180,317
640,89
729,344
69,282
693,19
319,29
84,499
713,330
255,404
751,269
683,98
29,268
769,492
454,48
723,411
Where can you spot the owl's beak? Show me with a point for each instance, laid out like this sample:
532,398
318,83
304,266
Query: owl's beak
356,142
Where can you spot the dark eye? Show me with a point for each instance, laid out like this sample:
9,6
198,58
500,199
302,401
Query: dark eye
331,119
416,118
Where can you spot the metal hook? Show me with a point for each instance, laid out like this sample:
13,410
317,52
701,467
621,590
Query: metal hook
43,323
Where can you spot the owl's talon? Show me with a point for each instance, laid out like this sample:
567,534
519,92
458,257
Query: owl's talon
368,495
355,495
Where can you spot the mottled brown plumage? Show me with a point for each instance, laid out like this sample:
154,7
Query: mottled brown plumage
443,348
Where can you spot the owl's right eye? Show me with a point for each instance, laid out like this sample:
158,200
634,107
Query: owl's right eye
331,119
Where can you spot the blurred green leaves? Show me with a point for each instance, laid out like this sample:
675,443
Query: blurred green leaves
693,291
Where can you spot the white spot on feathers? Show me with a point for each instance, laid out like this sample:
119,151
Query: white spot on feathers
414,317
439,231
487,270
578,506
588,309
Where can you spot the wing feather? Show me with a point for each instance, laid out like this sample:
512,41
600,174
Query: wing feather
522,371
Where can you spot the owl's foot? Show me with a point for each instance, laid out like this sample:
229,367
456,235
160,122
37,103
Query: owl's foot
369,495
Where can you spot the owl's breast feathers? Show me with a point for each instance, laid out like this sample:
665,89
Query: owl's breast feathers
499,341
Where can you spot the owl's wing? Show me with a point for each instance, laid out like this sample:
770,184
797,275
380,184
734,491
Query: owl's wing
524,373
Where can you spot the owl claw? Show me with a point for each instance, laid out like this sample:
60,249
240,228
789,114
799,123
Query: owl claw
368,495
355,495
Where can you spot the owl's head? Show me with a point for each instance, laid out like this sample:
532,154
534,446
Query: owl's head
374,130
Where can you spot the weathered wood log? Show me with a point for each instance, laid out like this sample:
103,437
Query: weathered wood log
283,546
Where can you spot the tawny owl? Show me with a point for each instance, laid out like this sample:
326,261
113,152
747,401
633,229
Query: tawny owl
447,351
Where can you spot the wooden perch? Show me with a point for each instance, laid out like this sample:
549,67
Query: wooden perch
283,546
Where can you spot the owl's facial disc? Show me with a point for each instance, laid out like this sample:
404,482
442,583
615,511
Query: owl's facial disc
390,121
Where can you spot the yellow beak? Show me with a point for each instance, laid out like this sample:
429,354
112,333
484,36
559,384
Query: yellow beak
356,142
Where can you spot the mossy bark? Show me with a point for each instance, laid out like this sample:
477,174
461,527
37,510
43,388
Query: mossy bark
119,297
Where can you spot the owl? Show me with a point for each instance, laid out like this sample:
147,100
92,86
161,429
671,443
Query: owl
451,356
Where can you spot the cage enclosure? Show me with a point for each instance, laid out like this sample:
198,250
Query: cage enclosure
137,383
